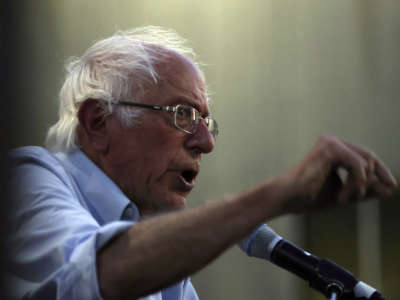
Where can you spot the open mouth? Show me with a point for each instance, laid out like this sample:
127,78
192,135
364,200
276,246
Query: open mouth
189,176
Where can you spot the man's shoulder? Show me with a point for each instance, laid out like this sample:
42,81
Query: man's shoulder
34,170
29,152
31,157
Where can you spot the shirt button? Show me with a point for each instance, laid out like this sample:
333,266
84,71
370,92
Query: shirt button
129,213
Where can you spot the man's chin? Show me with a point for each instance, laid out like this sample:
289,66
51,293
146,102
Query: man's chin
176,202
169,203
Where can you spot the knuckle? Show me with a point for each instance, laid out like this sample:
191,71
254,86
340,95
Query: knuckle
373,155
328,139
367,151
358,166
327,144
362,163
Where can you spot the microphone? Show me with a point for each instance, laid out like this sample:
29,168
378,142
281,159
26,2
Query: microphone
322,274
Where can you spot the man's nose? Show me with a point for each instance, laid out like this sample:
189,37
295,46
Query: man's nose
201,140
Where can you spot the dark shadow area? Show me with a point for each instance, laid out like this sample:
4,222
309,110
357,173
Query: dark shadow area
9,87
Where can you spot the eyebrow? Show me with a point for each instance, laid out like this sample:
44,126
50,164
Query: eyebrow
186,101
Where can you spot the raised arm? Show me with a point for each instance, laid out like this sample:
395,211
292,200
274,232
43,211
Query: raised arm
164,249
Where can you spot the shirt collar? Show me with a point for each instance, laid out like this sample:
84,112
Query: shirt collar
97,188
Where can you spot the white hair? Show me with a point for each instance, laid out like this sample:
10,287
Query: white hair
116,68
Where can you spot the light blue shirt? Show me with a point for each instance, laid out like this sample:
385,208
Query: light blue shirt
66,209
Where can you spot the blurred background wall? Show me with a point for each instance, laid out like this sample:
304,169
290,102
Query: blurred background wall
281,74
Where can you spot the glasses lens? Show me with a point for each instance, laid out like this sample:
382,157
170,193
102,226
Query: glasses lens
186,118
212,126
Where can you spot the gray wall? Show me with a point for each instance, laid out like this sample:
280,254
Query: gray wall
281,74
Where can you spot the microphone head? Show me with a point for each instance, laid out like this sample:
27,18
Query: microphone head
260,242
364,291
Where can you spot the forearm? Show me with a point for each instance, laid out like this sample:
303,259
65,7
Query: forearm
160,251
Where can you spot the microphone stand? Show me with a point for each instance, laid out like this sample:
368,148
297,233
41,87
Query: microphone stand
322,275
337,283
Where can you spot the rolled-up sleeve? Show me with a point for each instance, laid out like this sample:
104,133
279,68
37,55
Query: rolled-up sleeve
76,278
54,239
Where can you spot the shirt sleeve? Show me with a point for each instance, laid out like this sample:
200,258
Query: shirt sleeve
189,293
54,239
183,290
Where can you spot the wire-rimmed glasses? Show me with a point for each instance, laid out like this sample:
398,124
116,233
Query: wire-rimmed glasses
186,117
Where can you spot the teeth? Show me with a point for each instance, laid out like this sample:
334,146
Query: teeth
188,175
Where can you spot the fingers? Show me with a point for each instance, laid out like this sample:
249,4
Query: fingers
378,189
368,175
317,182
375,165
351,191
381,182
356,184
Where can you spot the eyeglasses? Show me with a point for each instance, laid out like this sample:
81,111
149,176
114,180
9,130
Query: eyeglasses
186,118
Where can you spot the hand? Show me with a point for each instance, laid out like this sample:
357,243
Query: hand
315,183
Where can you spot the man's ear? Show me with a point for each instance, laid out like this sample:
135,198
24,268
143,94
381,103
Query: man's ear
92,125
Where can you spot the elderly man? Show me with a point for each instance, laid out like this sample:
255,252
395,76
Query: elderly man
134,123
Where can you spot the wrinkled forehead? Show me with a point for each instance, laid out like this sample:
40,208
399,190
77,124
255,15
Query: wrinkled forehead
181,72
